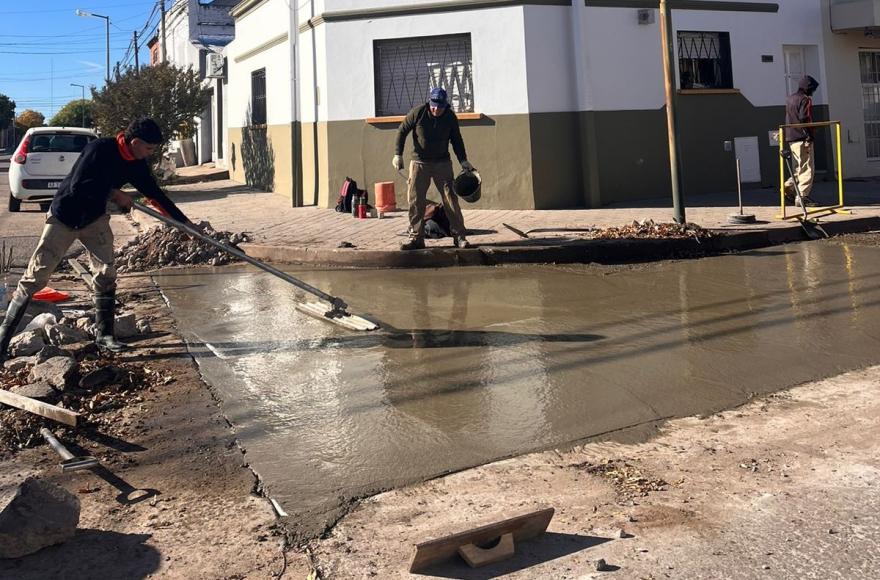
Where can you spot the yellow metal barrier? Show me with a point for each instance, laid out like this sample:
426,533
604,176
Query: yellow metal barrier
817,211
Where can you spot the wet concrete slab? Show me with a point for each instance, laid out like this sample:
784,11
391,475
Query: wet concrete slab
477,364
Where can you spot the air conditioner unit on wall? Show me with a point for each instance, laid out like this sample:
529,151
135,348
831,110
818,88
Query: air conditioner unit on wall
214,65
646,16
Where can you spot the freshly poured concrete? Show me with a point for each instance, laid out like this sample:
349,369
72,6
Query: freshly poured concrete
476,364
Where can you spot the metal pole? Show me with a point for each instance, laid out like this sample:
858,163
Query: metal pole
135,41
668,51
82,107
739,192
107,22
164,48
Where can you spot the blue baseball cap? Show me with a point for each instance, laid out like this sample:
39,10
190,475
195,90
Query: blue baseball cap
438,97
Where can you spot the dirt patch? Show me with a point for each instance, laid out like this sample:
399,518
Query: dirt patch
197,511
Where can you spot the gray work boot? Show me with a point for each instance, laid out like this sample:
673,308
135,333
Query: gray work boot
805,202
14,313
105,310
413,244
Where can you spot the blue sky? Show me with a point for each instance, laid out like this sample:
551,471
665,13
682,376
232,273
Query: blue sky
45,46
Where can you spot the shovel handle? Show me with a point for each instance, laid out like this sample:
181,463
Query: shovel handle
337,303
55,444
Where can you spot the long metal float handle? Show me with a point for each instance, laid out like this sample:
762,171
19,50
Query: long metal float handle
339,306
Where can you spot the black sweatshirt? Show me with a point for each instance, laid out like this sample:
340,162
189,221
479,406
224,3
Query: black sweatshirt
431,135
799,109
84,193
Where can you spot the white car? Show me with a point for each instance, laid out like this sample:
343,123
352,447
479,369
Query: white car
41,162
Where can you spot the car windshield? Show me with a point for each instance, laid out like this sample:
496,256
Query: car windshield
59,143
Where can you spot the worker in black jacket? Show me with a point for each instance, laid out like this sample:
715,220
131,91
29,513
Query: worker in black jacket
434,126
79,212
801,141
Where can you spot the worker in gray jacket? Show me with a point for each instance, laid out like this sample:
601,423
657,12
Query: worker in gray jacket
433,126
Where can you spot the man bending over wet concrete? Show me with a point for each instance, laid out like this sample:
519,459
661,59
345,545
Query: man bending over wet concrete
79,212
433,126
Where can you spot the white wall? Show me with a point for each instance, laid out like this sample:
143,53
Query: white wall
251,31
624,59
550,62
347,82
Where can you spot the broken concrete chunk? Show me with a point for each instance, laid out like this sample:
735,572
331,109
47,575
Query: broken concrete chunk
42,391
50,351
60,334
125,326
27,343
41,321
602,566
81,349
40,514
59,371
144,327
84,323
98,378
16,364
622,534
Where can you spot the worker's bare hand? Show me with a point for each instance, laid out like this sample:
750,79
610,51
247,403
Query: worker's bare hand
122,199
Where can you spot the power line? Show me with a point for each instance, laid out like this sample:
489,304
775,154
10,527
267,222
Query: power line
5,12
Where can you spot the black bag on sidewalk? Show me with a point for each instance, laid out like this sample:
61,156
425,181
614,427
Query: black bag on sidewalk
347,193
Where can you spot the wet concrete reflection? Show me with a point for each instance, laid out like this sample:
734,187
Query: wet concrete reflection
475,364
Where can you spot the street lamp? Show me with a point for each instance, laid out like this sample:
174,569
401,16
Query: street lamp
107,21
82,103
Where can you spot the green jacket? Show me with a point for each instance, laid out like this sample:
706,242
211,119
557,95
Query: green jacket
431,135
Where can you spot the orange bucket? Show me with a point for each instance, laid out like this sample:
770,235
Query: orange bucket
385,198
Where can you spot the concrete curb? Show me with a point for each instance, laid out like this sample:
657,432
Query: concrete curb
580,252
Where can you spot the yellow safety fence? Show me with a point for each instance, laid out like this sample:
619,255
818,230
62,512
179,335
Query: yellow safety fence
816,211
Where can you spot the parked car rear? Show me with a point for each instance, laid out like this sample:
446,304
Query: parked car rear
41,162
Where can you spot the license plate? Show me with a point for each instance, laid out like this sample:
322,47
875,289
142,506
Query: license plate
53,184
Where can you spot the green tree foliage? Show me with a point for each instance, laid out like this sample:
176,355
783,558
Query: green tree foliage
30,118
170,95
7,110
71,114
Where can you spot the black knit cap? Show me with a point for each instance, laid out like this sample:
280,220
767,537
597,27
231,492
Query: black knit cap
144,129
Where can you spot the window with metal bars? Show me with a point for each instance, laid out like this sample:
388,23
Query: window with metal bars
704,60
258,97
406,69
869,68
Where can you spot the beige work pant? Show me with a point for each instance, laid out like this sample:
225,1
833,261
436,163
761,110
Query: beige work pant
804,165
97,237
421,173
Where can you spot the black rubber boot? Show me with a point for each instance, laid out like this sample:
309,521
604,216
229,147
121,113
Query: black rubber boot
14,314
105,310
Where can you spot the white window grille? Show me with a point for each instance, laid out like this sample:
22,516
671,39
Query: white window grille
869,67
406,69
704,60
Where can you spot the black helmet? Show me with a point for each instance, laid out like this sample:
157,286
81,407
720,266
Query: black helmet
467,186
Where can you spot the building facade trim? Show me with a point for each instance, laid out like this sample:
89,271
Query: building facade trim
274,41
246,7
421,9
711,5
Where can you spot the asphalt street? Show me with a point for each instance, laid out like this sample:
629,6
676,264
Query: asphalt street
21,230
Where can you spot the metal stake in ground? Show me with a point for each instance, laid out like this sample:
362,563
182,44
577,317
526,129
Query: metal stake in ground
337,312
740,218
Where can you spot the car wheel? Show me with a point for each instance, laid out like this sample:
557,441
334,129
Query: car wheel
14,204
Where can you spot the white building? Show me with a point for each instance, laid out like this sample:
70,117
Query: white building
194,31
561,101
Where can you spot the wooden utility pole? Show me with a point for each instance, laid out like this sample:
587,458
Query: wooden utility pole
666,39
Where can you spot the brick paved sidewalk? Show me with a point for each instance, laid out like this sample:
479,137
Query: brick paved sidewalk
312,231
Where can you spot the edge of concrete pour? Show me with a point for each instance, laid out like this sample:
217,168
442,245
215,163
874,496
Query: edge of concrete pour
577,252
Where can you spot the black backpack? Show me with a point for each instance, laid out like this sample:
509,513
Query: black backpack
347,193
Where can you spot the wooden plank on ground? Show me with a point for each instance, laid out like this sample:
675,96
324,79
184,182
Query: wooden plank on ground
83,273
522,526
39,408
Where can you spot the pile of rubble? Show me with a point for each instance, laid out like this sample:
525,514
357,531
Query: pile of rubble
165,246
651,229
55,360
